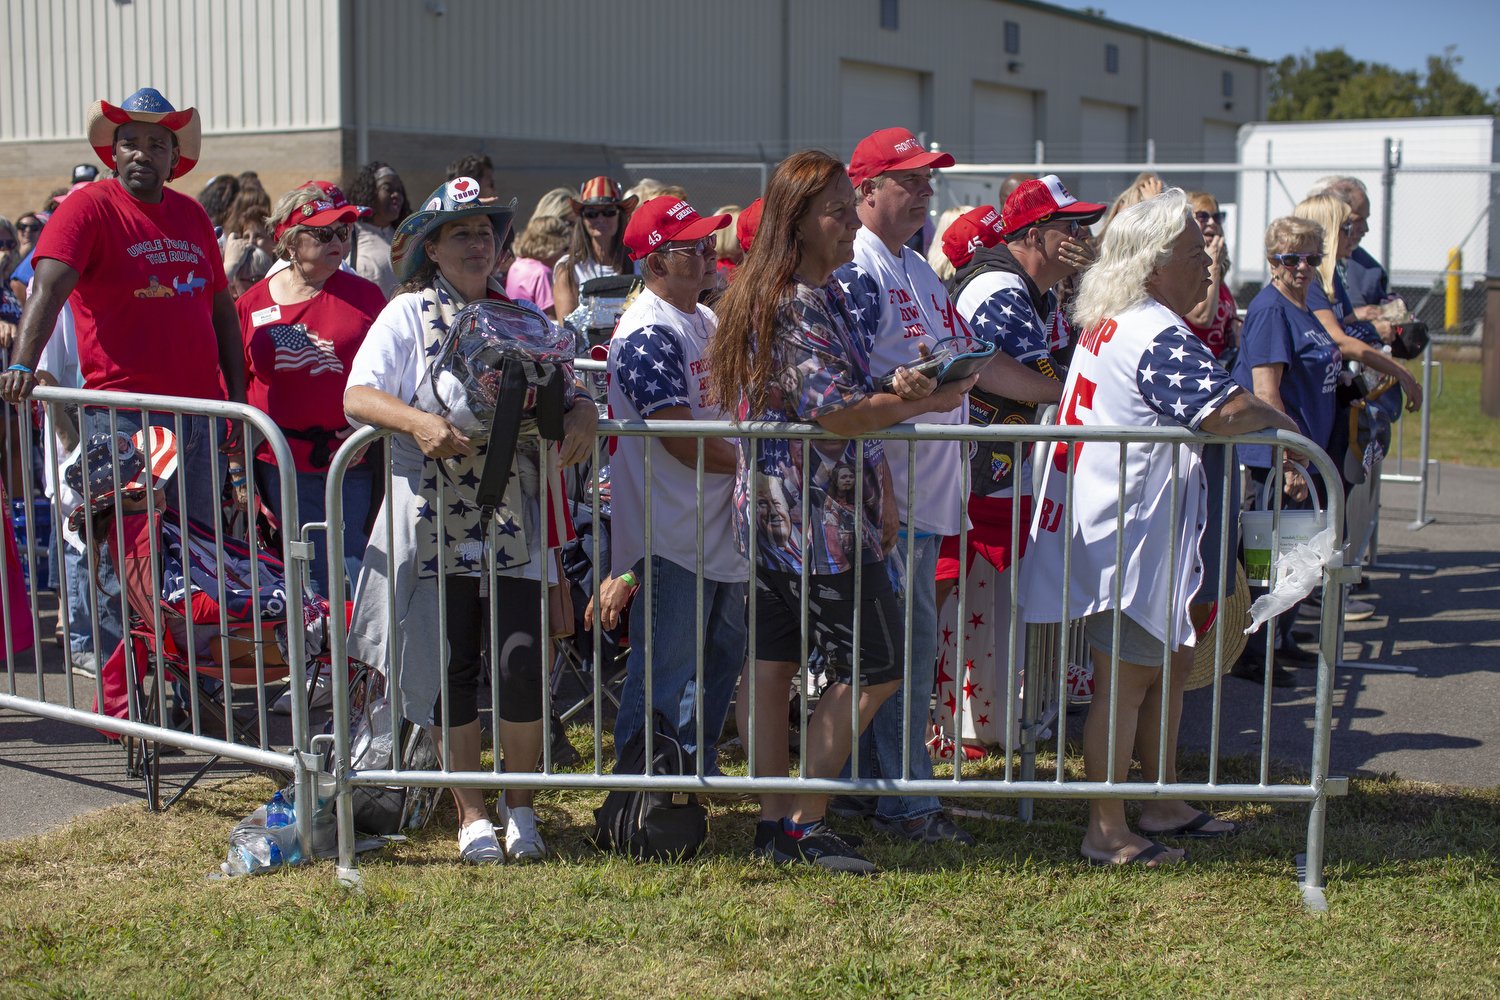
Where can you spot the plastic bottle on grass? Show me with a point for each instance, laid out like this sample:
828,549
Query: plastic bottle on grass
281,826
252,849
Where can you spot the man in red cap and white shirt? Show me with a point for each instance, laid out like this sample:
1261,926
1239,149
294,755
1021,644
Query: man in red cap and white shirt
1006,265
140,265
903,312
657,372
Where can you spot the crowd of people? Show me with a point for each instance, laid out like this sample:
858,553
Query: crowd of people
825,302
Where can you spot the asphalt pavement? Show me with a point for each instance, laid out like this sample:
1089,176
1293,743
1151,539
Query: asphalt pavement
1437,591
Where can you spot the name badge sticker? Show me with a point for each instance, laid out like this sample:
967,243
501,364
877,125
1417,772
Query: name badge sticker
269,314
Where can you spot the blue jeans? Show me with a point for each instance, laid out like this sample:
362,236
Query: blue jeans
80,614
673,624
880,744
311,488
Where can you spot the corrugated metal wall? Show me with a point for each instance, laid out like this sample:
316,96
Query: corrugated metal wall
247,65
712,75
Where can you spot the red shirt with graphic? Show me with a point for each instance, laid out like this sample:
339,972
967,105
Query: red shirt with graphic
1219,333
297,358
143,305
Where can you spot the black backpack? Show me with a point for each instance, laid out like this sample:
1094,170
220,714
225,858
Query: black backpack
658,826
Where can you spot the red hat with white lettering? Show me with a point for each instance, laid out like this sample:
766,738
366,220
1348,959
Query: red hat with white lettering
978,227
748,222
891,149
664,219
1042,198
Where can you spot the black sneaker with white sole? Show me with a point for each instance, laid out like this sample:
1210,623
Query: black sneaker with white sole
765,838
821,848
934,828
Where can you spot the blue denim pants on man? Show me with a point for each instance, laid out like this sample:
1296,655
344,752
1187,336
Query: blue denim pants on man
674,663
311,500
880,753
197,454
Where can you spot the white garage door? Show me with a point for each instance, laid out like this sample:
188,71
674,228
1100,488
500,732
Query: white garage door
875,97
1004,124
1104,132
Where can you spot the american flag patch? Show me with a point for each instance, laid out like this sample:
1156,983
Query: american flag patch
298,347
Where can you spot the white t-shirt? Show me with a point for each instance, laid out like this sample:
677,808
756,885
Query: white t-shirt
655,362
1143,368
900,304
60,360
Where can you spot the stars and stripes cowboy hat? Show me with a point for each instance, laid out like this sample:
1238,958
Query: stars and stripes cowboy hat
148,106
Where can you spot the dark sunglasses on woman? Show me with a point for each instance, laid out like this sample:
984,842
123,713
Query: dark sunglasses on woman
327,234
600,213
1204,218
29,227
1291,260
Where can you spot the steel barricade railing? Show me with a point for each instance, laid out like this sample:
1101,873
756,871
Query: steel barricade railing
1046,683
195,423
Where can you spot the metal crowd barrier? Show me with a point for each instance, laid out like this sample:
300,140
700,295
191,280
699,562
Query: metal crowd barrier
146,727
1044,706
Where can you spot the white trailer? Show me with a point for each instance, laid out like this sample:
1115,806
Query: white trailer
1430,183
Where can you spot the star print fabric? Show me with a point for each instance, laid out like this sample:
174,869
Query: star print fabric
1179,380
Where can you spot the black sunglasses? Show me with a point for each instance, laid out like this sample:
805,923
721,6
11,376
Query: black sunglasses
29,227
327,234
8,244
600,213
1204,218
1291,260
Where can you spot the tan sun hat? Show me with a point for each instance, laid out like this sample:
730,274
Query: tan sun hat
1206,624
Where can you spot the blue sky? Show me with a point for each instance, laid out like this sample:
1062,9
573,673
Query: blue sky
1400,34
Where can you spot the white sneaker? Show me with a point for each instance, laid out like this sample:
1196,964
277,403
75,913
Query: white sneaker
477,844
1357,611
322,696
522,841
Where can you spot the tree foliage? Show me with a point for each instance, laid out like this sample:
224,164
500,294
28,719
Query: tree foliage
1330,84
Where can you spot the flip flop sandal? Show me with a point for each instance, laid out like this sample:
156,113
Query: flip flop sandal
1193,829
1143,858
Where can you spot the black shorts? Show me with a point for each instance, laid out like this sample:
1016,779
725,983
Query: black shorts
830,617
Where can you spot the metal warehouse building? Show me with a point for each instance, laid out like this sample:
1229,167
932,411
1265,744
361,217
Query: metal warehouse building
557,90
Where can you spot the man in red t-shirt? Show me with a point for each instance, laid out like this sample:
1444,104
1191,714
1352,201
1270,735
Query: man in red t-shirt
140,265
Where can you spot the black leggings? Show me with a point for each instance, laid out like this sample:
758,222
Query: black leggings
519,676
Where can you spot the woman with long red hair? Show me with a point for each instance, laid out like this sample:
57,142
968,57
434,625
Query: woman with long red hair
788,349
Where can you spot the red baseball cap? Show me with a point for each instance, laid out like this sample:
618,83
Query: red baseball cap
667,218
335,194
748,222
1042,197
330,207
891,149
978,227
73,188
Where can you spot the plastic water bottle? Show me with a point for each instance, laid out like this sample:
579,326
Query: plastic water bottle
281,824
278,812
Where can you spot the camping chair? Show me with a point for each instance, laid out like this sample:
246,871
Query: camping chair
182,592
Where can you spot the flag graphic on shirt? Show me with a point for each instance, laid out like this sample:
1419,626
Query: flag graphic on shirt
649,364
1178,378
1009,321
298,347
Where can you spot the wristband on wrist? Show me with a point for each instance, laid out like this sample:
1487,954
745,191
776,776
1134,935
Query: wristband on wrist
21,368
628,578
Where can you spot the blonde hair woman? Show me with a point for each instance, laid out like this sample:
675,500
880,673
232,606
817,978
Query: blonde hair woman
936,255
1328,299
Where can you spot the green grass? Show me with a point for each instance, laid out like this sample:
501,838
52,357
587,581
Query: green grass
118,903
1460,432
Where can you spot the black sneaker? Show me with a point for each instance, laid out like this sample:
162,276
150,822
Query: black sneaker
934,828
765,837
822,848
1246,669
852,806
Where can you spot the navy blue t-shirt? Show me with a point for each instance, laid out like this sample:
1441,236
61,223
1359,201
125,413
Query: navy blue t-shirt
1368,285
1342,308
1279,332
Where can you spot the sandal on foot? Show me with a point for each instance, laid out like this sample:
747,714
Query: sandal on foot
1143,858
1193,829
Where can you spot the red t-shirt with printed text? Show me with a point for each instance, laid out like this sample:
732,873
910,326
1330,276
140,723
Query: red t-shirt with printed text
297,356
148,274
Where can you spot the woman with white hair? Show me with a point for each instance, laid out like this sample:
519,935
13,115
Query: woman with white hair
1136,364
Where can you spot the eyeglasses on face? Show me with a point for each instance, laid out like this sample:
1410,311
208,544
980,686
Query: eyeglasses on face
702,247
327,234
1204,218
600,213
1292,260
1347,229
8,244
29,227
